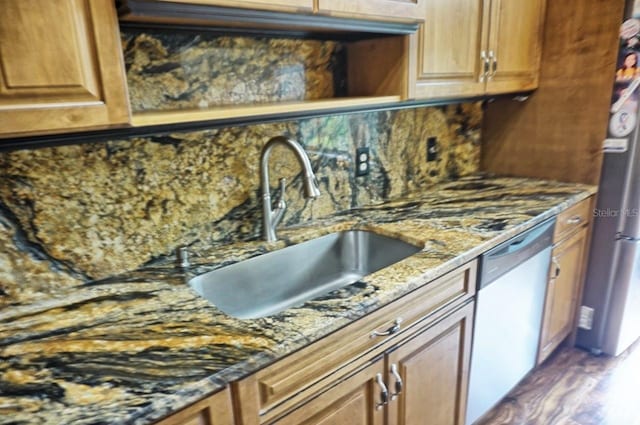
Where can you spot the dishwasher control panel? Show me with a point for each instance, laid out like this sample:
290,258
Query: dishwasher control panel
509,254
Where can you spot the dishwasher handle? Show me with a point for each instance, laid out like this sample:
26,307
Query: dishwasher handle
515,251
525,241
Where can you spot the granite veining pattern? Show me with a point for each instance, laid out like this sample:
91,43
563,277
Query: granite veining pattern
22,262
100,209
132,348
169,70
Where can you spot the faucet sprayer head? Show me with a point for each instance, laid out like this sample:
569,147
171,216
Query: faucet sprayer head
311,189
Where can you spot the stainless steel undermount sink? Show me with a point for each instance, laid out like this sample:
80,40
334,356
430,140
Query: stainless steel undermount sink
272,282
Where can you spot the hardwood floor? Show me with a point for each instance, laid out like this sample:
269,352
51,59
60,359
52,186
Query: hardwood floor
575,388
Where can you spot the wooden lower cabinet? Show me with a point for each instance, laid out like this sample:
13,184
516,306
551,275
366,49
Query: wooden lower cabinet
357,400
424,382
406,363
433,368
213,410
563,289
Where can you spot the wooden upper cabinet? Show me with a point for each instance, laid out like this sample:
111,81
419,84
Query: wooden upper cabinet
515,45
447,60
62,68
276,6
476,47
402,10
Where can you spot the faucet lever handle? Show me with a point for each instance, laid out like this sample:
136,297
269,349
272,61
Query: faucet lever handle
280,206
280,201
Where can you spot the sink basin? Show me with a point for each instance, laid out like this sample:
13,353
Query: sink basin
272,282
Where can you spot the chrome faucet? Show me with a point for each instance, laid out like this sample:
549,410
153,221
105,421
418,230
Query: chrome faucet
271,218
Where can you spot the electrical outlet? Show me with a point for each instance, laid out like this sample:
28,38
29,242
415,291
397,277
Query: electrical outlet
432,149
586,317
362,162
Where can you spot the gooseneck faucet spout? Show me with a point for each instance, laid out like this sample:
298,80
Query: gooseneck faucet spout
271,217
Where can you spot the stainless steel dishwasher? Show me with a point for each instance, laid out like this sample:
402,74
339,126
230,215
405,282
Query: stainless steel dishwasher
511,291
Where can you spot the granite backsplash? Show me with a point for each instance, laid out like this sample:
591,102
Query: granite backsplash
77,213
184,69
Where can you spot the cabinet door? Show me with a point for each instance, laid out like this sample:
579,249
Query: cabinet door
562,292
404,10
356,400
62,66
515,45
213,410
434,369
447,50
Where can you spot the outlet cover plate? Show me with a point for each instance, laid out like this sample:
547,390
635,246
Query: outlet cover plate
362,162
432,149
586,317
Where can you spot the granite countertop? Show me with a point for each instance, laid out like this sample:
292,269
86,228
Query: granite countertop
134,348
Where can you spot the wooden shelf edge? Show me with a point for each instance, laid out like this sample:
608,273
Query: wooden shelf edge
274,17
372,104
144,119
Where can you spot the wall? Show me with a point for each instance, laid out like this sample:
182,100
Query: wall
76,213
558,132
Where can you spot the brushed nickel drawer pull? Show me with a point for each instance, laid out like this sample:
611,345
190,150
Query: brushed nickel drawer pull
398,384
554,260
384,393
494,64
574,220
485,65
393,329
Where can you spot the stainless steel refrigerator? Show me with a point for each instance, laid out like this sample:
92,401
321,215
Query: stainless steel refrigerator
610,312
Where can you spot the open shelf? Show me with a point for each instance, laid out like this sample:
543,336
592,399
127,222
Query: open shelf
153,118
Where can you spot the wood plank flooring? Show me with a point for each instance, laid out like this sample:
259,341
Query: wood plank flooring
575,388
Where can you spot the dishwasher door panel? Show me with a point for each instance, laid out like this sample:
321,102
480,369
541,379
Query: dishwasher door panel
506,332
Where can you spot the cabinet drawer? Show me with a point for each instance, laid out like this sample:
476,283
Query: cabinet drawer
213,410
304,373
571,219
